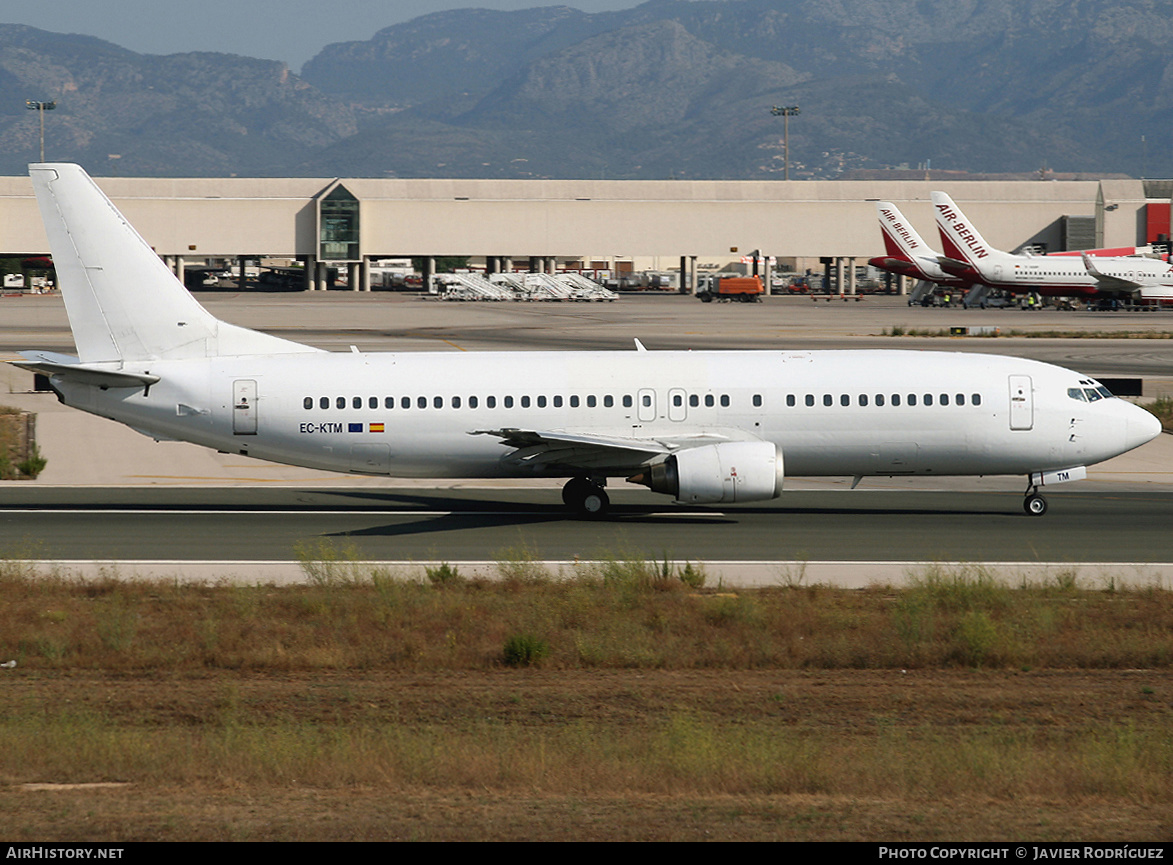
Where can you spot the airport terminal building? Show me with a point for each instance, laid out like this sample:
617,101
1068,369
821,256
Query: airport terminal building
542,225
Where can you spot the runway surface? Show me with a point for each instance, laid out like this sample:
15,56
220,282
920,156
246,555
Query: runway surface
248,524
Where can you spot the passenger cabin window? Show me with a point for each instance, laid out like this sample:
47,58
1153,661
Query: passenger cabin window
709,401
790,400
757,400
724,400
827,399
308,402
422,402
574,402
627,400
340,402
810,399
608,401
490,402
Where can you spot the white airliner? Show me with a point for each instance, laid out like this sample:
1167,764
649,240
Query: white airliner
703,427
967,251
907,254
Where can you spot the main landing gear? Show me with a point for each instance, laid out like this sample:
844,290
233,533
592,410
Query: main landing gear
1034,504
586,497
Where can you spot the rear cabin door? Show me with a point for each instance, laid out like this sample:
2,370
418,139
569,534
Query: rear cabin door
244,407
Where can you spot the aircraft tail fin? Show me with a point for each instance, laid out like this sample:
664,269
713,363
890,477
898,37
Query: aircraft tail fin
124,304
901,240
961,241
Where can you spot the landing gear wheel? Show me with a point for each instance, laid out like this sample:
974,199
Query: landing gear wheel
585,497
596,503
1035,505
574,490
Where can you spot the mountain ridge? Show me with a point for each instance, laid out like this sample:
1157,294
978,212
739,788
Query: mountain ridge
670,88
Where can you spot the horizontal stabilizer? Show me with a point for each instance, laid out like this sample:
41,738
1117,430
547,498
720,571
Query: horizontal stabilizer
953,266
65,366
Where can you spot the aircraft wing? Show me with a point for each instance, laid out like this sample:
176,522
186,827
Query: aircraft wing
1105,282
556,449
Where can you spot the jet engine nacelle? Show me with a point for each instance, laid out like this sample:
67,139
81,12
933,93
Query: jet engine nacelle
727,472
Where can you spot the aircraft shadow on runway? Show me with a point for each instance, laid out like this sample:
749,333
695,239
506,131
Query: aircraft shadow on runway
901,504
427,514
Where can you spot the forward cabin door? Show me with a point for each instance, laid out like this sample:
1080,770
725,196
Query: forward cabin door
244,407
1022,408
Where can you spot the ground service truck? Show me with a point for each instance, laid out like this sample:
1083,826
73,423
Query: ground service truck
747,289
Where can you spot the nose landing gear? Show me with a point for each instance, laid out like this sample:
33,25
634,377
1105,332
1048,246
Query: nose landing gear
1034,504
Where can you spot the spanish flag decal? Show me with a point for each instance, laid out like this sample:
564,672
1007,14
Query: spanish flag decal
376,427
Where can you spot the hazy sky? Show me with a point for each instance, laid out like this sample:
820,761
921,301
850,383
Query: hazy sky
289,30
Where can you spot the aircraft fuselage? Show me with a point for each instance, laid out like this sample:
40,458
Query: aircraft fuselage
828,412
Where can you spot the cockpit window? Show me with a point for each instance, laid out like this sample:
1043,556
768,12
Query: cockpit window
1076,393
1105,393
1092,394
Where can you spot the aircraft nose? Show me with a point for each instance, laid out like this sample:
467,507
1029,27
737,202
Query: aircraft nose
1142,427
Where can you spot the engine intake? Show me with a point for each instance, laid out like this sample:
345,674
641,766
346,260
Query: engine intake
727,472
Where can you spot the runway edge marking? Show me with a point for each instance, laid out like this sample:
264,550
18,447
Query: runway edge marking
729,574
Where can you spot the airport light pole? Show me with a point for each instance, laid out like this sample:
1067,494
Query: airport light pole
41,108
785,113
